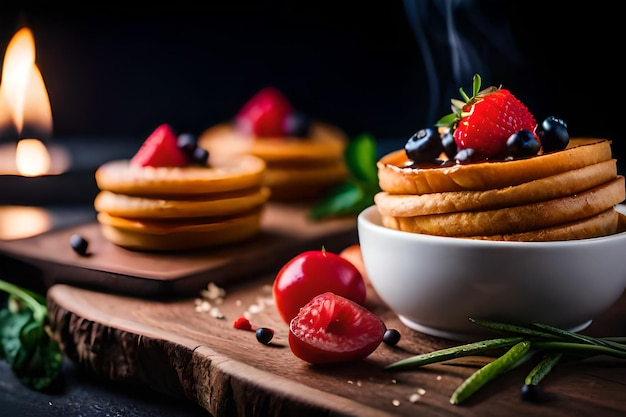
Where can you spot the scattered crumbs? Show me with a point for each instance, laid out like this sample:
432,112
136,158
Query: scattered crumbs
415,398
395,403
213,292
255,308
212,297
215,312
350,382
238,303
439,377
202,306
421,391
359,383
393,381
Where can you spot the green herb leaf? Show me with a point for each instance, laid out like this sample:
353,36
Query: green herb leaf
452,353
490,371
524,342
358,191
34,356
361,156
345,199
545,365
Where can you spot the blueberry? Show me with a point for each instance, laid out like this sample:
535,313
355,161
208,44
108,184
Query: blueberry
391,337
553,134
533,393
297,124
200,156
523,143
449,145
187,143
465,156
424,146
264,335
79,244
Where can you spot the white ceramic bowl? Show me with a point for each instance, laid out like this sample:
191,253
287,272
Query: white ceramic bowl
435,284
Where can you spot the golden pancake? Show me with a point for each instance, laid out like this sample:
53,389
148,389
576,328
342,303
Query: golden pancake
245,171
548,188
602,224
517,219
154,235
325,175
222,204
325,143
396,177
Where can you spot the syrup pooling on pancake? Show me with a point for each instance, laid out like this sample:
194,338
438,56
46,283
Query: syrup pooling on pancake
489,170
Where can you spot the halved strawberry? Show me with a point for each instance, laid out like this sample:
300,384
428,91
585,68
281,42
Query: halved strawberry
264,114
160,149
485,121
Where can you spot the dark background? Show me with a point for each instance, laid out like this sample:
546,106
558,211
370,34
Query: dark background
115,70
382,67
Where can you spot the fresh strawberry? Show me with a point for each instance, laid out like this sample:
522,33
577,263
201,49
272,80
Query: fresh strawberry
264,114
160,149
485,121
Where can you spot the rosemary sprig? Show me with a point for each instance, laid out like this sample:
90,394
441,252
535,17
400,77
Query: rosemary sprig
521,343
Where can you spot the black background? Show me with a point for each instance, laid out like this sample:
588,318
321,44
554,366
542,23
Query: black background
115,70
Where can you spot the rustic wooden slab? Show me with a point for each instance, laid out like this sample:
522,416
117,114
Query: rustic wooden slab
286,230
171,347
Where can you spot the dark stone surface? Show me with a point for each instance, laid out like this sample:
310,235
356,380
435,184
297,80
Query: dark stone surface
82,394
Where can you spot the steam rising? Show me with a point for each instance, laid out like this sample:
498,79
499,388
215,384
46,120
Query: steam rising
458,38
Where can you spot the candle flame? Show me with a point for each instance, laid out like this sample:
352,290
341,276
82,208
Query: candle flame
32,157
24,97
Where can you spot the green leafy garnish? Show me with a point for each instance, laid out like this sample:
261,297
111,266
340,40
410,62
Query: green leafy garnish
357,192
25,343
522,342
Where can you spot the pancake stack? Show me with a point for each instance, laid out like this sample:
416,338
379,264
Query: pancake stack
156,208
297,167
563,195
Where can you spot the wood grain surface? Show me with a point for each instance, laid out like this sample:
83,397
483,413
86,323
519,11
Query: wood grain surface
172,347
286,230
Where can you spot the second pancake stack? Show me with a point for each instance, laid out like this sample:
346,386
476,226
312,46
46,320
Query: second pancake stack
563,195
175,208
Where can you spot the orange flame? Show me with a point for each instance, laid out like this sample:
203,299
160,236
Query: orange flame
24,98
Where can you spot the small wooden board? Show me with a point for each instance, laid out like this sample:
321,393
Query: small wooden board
172,348
286,231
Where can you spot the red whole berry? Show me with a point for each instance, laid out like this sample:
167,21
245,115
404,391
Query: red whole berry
160,149
486,120
264,114
311,273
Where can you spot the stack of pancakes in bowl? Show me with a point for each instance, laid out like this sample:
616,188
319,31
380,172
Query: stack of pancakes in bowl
562,195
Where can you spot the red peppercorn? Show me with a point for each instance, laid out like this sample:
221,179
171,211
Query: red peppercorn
242,323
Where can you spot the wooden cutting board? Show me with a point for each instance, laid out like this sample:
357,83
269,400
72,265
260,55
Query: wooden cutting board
285,231
173,348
